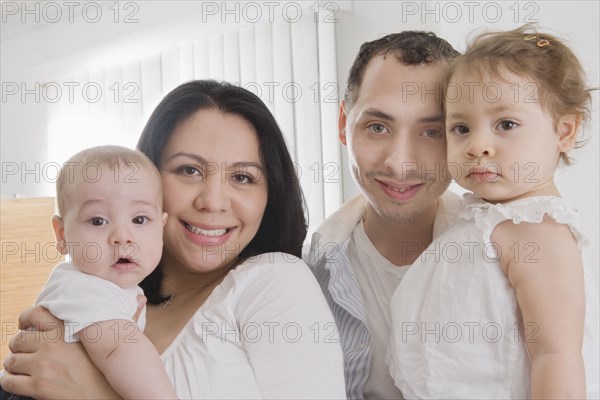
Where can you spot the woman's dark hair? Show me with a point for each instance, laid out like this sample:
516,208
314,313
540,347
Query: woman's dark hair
283,226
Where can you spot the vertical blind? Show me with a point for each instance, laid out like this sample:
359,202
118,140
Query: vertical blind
291,66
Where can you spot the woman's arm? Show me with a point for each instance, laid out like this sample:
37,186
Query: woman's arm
298,353
547,275
43,366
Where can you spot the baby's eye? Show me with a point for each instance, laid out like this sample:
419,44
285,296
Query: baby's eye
433,133
377,128
459,130
507,125
140,220
98,221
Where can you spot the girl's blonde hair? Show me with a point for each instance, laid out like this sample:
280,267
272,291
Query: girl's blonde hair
541,57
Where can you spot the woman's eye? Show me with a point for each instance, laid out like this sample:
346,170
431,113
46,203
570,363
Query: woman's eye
433,133
377,128
241,178
507,125
459,130
139,220
188,170
98,221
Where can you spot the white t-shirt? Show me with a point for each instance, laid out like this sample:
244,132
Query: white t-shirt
379,278
80,299
265,332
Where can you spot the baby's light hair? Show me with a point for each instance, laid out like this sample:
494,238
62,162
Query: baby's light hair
114,157
534,55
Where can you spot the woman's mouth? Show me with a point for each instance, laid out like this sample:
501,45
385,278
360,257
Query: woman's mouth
205,232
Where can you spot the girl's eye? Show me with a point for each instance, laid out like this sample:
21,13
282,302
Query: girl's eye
433,134
507,125
140,220
377,128
98,221
459,130
241,178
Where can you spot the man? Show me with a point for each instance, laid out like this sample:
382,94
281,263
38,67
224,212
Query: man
392,124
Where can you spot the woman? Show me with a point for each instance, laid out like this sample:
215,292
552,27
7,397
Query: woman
232,310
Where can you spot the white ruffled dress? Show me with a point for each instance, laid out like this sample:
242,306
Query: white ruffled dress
456,326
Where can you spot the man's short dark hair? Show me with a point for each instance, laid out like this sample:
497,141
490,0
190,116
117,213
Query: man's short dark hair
409,47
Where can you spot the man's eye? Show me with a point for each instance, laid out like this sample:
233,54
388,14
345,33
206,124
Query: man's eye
98,221
139,220
377,128
433,133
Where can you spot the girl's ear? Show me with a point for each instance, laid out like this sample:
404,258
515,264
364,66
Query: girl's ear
59,233
568,127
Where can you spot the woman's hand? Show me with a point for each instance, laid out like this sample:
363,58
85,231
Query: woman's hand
43,366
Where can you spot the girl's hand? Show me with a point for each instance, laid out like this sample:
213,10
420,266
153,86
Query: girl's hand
43,366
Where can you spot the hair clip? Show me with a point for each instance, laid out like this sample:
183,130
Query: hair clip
542,43
529,37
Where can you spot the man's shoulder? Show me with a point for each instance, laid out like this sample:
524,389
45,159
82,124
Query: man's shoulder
337,228
339,225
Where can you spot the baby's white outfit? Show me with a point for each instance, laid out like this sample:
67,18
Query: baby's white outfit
456,325
81,299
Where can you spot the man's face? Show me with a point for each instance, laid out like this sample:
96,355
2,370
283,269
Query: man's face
394,133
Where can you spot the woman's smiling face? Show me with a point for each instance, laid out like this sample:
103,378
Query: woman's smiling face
215,190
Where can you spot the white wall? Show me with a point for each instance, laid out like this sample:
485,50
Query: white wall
35,52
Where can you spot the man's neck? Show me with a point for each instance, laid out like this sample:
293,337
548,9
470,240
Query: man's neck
400,243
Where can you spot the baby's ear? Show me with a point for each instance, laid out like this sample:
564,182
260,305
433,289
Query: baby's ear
59,233
165,216
568,128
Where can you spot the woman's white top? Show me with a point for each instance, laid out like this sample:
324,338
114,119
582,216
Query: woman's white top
456,326
265,332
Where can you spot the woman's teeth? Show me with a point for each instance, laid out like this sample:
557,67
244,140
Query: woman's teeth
205,232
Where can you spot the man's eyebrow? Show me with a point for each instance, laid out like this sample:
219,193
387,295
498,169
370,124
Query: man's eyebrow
432,118
373,112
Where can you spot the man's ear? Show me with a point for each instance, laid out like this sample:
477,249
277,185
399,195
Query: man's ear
59,233
342,123
568,127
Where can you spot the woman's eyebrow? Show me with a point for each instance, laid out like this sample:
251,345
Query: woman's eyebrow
201,160
193,156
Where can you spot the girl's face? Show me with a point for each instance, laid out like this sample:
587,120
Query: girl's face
501,144
215,191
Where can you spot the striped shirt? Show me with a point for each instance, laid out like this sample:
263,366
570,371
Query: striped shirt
328,259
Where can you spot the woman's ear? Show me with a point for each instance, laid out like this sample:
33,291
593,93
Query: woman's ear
59,233
568,128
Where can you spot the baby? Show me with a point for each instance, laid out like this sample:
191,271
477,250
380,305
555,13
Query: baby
110,223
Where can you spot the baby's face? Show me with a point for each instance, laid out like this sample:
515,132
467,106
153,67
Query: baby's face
113,224
502,144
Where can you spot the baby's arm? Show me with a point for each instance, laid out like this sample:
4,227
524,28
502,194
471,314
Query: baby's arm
544,266
128,359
